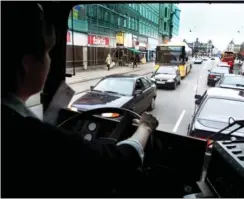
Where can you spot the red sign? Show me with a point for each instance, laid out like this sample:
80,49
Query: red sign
98,40
68,36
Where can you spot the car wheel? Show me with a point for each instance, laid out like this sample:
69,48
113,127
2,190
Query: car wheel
152,104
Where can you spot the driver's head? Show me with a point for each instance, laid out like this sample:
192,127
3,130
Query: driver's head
26,42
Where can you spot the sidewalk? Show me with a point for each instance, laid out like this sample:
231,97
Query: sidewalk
82,75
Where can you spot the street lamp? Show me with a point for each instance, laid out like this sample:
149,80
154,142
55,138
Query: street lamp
171,22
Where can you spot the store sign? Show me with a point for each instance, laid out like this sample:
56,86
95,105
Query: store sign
143,40
76,39
98,40
152,43
120,38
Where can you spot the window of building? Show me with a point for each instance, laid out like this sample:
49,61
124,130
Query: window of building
118,21
106,17
112,18
125,21
165,12
165,26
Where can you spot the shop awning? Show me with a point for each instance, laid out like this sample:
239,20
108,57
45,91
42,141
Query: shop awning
134,50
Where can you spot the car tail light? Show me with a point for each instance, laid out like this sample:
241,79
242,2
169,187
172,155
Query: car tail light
209,142
212,76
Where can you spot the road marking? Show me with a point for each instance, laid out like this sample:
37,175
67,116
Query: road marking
179,121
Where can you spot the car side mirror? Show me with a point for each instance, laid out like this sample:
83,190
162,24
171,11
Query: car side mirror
91,87
138,92
198,96
198,101
153,80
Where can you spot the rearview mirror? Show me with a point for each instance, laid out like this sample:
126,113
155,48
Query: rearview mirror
198,101
153,80
91,87
198,96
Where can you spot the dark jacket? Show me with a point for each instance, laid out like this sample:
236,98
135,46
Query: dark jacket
40,160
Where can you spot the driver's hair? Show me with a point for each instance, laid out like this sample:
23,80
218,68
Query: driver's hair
24,31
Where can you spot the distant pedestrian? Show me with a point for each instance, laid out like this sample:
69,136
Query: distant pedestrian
134,61
108,61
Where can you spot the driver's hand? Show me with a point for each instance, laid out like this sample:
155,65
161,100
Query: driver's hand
147,119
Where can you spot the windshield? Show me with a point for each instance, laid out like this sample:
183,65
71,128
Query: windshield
131,32
170,54
166,70
215,109
116,85
233,81
220,70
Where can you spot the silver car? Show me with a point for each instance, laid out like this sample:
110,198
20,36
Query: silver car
167,76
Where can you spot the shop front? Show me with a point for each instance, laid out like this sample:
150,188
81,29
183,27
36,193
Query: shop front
143,42
99,47
76,42
152,44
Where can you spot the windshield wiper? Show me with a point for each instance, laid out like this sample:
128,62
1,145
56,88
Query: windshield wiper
239,123
113,92
97,90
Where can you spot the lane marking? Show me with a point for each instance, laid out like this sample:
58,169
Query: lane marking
179,121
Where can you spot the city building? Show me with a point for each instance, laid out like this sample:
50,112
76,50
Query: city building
164,21
101,29
201,48
233,47
175,20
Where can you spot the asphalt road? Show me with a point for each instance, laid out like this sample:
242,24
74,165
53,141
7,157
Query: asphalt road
174,108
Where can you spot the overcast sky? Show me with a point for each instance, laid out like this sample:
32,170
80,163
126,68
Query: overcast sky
218,22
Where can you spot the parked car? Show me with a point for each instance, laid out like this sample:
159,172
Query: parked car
231,81
132,92
214,110
212,58
198,60
215,74
167,76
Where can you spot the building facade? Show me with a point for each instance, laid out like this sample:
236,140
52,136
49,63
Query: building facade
164,21
175,20
106,27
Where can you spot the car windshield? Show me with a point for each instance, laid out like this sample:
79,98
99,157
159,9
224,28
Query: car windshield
215,109
122,86
220,70
233,81
166,70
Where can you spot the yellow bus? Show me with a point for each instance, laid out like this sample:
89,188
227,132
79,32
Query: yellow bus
174,53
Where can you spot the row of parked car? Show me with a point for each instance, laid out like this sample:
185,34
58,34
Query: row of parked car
220,105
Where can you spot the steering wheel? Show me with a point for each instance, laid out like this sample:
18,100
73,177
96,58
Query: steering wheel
121,127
